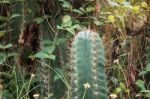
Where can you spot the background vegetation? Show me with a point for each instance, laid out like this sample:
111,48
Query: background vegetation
36,36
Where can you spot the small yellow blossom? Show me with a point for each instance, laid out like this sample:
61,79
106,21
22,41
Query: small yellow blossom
86,85
136,9
111,18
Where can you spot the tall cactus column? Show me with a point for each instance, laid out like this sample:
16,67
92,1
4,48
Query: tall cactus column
88,64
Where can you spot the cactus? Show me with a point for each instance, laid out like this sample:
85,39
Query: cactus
88,65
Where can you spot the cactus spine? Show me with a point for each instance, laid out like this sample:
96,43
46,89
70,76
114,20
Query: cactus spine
88,64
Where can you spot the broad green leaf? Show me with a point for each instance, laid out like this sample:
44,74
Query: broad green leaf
41,55
118,90
44,55
140,84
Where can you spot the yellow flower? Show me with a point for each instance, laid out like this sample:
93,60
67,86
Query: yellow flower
111,18
136,9
86,85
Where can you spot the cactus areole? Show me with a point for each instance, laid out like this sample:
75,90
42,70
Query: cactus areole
87,52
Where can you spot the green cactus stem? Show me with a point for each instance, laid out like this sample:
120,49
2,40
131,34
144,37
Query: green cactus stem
88,64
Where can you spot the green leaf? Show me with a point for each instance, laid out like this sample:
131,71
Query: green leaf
5,46
143,73
56,77
140,84
41,55
2,58
15,15
148,67
118,90
77,11
5,1
70,30
60,72
52,57
39,20
122,85
44,55
8,46
60,27
90,9
66,4
145,91
98,22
